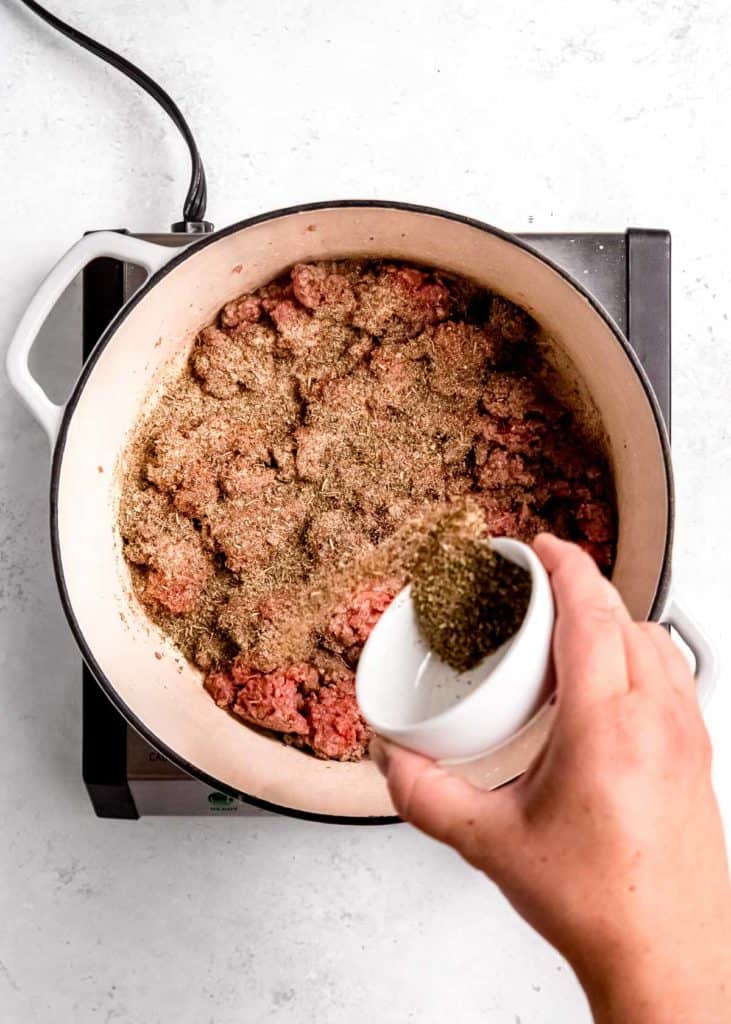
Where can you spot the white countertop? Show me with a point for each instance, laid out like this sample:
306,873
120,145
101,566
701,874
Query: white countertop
532,116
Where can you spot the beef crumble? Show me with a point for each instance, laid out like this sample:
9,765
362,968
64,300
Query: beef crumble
276,495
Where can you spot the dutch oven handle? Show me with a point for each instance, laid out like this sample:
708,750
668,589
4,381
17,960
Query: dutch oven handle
706,659
99,243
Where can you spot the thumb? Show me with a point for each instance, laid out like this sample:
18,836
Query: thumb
478,824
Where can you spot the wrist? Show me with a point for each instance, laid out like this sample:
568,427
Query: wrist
659,981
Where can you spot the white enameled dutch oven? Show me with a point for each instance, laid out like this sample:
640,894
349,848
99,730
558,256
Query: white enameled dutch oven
185,288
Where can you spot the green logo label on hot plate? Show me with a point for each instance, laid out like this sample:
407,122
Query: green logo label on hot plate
221,802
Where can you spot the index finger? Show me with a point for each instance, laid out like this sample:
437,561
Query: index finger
588,638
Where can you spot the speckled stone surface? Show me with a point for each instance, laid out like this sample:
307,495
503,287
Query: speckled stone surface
552,117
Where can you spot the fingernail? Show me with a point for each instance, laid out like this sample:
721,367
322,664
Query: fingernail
379,754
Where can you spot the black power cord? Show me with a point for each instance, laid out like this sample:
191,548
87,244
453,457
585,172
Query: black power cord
194,209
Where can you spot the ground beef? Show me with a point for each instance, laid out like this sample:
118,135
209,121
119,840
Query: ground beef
399,301
336,728
313,707
173,567
221,686
352,622
459,357
595,521
279,510
245,310
275,497
333,534
327,293
509,320
227,360
272,701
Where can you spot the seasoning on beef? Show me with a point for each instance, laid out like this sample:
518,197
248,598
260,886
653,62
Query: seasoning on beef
512,322
323,290
276,495
333,534
399,301
176,568
227,360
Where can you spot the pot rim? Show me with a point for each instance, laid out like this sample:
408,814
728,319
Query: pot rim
106,336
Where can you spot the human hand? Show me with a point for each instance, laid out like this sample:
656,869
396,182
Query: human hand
611,845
